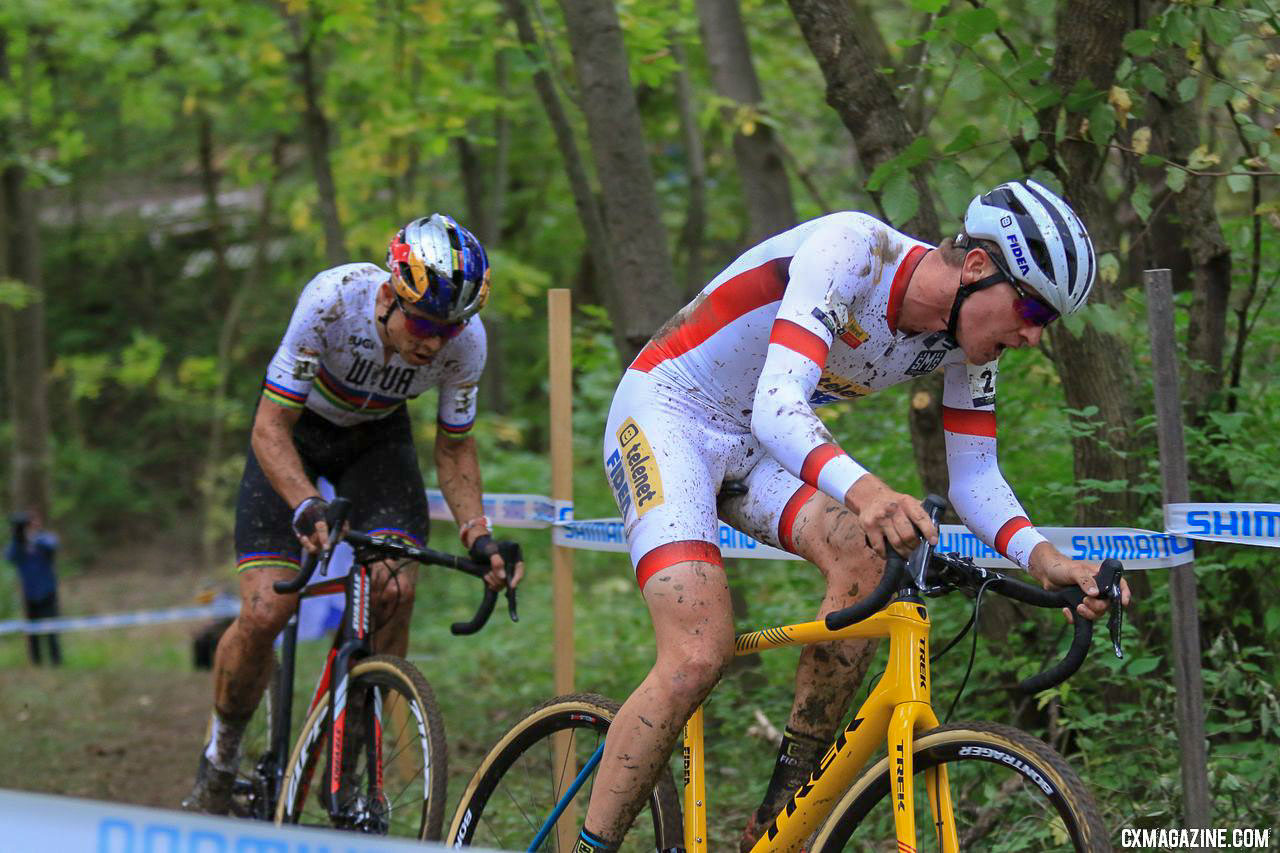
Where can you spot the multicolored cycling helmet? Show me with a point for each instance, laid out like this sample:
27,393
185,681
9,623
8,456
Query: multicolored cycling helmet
439,268
1042,241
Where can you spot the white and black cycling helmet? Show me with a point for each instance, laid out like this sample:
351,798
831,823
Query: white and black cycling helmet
439,268
1042,241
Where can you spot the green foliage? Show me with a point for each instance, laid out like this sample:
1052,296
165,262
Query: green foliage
104,113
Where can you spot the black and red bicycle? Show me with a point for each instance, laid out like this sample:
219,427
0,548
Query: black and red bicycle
371,754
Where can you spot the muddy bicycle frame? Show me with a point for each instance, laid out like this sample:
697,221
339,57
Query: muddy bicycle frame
351,643
897,709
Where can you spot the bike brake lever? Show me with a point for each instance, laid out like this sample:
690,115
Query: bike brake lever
1116,620
336,519
919,559
511,604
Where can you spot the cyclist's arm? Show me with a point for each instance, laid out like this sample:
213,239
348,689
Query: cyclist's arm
272,442
982,497
827,275
979,492
458,471
457,461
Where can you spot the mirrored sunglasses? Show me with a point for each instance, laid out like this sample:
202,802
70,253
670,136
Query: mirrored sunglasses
425,327
1032,308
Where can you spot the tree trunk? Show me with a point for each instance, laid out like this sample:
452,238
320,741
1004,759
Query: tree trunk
867,105
217,229
1176,129
692,235
584,199
643,282
1096,369
863,97
229,307
315,134
497,202
24,332
471,171
765,188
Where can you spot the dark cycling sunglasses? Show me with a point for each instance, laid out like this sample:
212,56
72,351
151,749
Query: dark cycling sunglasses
421,326
1032,308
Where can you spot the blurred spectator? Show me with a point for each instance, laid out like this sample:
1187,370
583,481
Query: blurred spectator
31,551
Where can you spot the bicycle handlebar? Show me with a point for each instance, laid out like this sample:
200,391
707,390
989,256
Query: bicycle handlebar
924,558
1070,597
336,518
893,577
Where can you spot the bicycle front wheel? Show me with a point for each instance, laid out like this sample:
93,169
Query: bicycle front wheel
1010,792
394,767
512,796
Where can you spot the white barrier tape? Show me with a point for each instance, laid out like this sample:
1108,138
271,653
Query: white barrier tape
71,825
1243,524
1137,549
504,510
218,609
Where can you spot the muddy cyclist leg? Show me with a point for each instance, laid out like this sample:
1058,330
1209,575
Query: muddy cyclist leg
827,535
693,626
242,663
393,593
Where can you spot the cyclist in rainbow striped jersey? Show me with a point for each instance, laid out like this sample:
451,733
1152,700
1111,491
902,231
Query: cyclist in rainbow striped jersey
359,344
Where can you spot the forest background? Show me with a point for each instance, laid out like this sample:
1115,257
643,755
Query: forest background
174,173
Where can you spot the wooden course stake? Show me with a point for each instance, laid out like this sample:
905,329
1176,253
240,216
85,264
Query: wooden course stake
560,367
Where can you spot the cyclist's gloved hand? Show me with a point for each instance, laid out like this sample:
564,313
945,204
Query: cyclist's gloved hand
308,517
505,558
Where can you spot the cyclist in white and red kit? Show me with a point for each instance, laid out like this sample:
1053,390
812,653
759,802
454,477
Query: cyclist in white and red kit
833,309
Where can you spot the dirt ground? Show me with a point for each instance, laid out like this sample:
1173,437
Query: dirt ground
123,719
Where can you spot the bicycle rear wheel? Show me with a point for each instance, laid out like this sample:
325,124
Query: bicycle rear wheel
394,777
1011,792
515,789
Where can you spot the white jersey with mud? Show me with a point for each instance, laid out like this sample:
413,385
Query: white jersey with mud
332,360
810,317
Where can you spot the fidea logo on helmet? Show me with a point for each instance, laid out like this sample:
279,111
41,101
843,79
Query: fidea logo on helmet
1023,266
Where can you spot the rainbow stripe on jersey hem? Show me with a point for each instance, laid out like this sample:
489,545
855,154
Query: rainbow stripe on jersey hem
282,396
399,535
266,560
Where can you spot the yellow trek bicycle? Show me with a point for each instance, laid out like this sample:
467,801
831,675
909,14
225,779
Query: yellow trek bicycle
972,785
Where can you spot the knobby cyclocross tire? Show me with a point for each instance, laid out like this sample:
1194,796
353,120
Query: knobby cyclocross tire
516,786
1010,792
410,800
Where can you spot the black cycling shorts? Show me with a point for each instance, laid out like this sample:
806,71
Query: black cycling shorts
372,464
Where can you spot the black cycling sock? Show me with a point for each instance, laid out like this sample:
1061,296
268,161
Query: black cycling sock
589,842
797,757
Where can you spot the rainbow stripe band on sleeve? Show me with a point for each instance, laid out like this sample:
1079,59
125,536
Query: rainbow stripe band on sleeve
282,396
456,431
266,560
